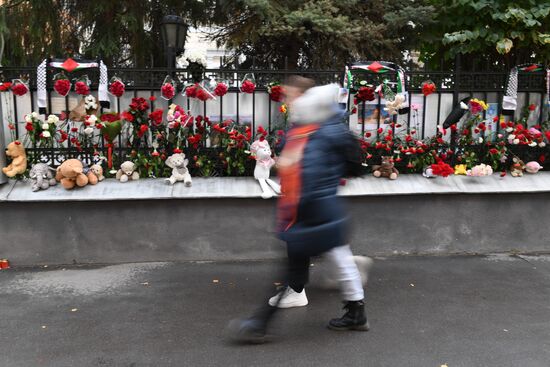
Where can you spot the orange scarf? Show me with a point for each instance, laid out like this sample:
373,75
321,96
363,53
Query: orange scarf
289,166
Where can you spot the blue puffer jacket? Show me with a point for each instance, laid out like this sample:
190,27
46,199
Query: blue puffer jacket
321,221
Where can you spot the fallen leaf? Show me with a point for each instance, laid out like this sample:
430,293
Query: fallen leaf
215,281
505,330
145,283
45,266
412,285
74,309
444,365
44,326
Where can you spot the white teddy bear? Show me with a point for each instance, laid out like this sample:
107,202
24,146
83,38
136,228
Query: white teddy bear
178,163
127,172
261,151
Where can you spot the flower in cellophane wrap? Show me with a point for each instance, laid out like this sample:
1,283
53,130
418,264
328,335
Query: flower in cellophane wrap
442,169
168,89
248,84
19,87
82,85
190,91
480,170
276,92
428,87
116,87
61,84
221,89
205,90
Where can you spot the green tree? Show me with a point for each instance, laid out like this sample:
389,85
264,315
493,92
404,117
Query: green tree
495,32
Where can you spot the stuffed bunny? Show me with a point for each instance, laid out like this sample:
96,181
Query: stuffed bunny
261,151
178,163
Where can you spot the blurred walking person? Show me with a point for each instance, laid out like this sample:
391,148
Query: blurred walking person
319,151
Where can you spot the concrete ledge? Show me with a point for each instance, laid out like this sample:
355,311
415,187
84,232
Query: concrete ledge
247,187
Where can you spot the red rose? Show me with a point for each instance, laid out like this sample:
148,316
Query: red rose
276,93
126,116
82,88
177,150
202,95
442,169
168,91
221,89
19,89
117,88
194,140
155,154
156,117
380,130
62,87
428,88
191,91
365,94
152,98
248,86
532,107
139,104
482,127
503,173
493,151
110,117
29,126
4,87
142,130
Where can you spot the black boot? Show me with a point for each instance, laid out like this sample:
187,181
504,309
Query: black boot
252,329
354,319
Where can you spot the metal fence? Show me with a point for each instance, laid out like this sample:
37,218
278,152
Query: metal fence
257,109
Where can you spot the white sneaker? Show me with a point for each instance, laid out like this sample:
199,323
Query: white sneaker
289,298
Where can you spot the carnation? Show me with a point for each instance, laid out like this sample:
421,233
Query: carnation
46,134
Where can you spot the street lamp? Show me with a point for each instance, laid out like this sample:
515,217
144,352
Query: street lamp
174,33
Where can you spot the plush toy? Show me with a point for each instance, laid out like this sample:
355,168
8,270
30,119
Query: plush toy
178,163
97,170
71,174
18,166
480,170
428,172
262,153
127,172
386,169
42,177
517,167
394,106
532,167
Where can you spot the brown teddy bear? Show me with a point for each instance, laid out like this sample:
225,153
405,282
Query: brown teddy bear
517,167
71,174
386,169
18,166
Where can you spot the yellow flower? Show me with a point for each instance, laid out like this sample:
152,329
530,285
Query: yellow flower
460,169
481,103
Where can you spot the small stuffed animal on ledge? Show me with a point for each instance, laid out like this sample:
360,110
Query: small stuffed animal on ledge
42,177
97,170
517,167
178,163
386,169
18,165
532,167
71,174
262,152
127,172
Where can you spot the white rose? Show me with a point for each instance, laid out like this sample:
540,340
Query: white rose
542,144
500,136
45,126
92,119
511,137
509,129
516,141
533,144
89,130
480,140
35,115
46,134
53,119
28,118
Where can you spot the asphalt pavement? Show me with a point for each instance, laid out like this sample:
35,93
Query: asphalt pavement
462,311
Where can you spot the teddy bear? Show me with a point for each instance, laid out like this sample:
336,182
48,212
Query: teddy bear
517,167
71,174
42,177
262,153
386,169
127,172
178,163
97,170
532,167
18,165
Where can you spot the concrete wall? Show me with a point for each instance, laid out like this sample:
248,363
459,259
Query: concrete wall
236,229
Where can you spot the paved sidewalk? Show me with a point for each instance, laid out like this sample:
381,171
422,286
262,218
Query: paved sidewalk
424,311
